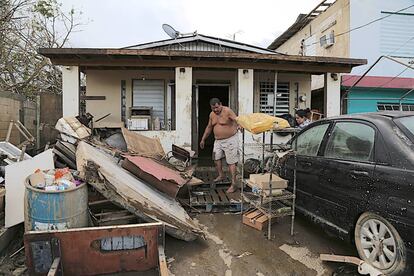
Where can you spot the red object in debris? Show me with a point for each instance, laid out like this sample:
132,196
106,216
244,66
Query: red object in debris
161,177
59,173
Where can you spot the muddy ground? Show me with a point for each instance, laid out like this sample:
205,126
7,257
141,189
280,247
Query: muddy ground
232,248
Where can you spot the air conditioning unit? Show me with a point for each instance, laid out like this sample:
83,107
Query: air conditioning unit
327,40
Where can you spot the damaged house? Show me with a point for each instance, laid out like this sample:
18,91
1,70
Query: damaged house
162,88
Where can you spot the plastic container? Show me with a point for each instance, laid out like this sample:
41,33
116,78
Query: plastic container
55,210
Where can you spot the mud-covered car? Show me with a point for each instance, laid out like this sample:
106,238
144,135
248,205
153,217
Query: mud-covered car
355,176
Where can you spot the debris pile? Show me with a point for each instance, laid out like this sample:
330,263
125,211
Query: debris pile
55,179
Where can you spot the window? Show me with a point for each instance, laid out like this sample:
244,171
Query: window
351,141
158,96
267,98
394,106
308,142
407,125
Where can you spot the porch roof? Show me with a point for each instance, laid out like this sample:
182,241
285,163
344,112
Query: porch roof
88,58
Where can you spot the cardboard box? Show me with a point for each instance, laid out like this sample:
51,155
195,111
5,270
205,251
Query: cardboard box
261,181
265,192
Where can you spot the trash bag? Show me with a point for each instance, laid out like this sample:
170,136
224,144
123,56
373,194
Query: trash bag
259,122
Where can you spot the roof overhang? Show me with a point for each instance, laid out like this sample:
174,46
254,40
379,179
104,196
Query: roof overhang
123,58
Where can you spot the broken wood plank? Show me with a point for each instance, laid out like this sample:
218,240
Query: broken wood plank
162,262
54,269
223,195
215,197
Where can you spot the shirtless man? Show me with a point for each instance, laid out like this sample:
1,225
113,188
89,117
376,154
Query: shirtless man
222,122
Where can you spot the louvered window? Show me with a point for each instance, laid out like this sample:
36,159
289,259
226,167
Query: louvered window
150,93
267,98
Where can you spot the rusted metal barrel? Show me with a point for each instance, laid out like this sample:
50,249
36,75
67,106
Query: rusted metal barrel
55,210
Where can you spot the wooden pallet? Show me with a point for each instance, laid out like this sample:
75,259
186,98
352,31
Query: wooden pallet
208,175
214,200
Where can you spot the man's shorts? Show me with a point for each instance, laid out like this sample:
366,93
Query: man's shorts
228,148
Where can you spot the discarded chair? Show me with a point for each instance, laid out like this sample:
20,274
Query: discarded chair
180,154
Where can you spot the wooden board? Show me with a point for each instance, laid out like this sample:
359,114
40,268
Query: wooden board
97,250
255,219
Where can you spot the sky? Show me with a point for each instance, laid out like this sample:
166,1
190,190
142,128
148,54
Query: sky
120,23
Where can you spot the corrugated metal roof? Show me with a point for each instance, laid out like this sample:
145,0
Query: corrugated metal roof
197,42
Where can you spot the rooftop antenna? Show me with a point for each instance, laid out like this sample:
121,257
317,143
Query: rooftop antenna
173,33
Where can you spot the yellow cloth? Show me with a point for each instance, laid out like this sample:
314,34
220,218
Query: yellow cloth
260,122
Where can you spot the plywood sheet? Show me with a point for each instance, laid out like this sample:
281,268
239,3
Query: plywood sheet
15,176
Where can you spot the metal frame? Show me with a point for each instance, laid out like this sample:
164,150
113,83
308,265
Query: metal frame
271,199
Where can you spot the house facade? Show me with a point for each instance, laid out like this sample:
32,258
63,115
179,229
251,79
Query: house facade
352,29
167,84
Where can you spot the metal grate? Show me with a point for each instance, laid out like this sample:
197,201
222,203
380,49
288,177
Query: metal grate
394,107
267,98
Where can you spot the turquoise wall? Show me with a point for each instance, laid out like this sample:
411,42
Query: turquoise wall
378,95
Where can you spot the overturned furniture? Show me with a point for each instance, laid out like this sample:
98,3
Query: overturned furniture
103,172
97,250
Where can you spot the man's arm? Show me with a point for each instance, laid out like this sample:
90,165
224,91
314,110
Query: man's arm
232,115
207,132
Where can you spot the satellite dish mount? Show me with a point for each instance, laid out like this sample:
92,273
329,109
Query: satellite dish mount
173,33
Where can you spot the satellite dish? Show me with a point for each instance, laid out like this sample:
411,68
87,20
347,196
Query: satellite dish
170,31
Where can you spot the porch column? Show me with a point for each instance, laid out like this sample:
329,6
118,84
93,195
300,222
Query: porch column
332,94
245,85
183,95
70,90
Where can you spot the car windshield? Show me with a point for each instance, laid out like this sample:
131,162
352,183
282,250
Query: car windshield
407,125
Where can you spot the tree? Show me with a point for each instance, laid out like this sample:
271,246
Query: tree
26,26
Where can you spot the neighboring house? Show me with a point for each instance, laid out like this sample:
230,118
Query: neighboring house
175,78
332,29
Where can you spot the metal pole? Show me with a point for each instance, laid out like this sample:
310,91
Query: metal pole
38,122
275,96
263,151
242,176
294,195
269,226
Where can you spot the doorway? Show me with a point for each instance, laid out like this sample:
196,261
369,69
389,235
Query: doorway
205,93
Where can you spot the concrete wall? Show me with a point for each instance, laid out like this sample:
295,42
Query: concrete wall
70,87
366,42
356,105
338,12
16,108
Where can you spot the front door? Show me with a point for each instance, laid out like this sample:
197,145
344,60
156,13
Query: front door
203,94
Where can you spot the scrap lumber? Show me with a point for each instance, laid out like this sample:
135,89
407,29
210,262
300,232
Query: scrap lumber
95,250
124,189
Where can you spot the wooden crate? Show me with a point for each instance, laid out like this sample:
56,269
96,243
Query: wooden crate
255,219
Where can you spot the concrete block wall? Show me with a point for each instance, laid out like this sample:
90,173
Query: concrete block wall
11,108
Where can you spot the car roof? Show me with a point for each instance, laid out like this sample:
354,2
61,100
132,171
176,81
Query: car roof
381,115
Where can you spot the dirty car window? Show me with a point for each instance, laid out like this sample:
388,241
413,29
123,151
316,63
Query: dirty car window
408,123
351,141
308,142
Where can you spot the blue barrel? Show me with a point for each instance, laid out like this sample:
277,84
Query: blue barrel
55,210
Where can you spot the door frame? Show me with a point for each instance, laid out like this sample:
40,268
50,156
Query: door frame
195,114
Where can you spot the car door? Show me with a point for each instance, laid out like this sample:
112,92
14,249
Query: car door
347,174
308,166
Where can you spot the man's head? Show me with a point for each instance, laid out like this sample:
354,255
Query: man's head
216,105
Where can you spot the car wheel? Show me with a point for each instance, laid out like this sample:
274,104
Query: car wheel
379,244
